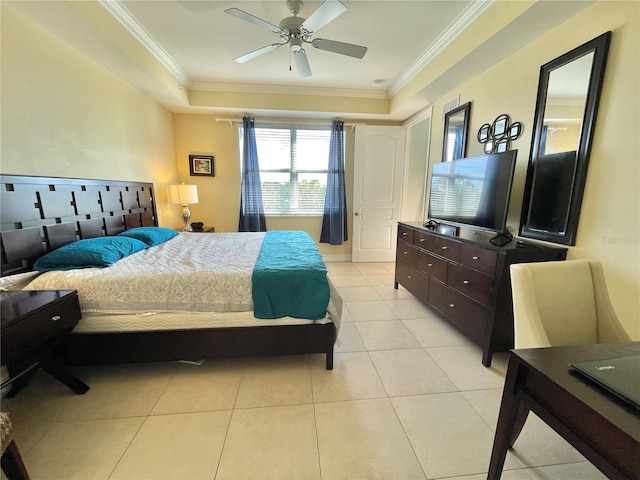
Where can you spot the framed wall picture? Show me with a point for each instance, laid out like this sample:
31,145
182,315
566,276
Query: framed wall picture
501,146
202,165
515,130
499,126
483,133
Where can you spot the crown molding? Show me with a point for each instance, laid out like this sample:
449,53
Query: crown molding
128,21
462,21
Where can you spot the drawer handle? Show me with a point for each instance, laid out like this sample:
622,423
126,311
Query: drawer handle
55,318
452,305
445,248
475,257
429,264
409,277
466,282
405,253
422,239
404,234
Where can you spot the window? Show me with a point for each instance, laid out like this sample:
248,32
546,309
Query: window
293,168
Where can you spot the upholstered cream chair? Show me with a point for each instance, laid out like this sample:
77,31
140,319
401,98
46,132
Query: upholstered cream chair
563,303
12,465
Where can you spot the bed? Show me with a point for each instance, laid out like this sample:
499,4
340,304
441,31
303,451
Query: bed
125,324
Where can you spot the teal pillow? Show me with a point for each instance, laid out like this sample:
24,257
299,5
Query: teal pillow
152,236
92,252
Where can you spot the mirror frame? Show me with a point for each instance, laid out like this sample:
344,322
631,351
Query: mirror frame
600,48
464,109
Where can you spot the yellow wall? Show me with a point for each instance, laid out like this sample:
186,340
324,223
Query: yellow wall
218,197
610,221
311,103
413,208
63,115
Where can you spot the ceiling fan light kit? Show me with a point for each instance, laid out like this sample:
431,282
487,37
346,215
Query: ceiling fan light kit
296,31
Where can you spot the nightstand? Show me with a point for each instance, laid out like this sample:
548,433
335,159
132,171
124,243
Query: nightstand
204,230
34,324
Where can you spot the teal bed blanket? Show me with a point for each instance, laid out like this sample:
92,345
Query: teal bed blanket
289,278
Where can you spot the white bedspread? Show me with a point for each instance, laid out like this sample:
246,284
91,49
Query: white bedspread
193,272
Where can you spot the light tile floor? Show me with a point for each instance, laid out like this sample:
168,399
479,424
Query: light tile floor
408,399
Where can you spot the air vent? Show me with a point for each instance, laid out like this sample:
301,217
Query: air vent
450,105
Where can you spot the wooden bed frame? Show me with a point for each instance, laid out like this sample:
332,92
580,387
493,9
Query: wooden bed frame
40,214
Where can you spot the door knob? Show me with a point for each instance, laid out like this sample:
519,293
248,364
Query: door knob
356,214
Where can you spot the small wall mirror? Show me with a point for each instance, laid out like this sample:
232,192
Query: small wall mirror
567,104
456,126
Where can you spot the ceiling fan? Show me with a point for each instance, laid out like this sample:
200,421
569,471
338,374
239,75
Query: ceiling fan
297,31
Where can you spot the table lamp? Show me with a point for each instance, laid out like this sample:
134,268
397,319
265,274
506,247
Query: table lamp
184,195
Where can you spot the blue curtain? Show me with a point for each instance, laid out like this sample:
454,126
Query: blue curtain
334,220
251,210
457,144
543,139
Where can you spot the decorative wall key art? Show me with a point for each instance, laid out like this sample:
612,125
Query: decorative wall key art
497,137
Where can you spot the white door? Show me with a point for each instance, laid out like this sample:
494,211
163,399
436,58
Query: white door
377,192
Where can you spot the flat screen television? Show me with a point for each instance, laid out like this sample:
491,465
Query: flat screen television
473,192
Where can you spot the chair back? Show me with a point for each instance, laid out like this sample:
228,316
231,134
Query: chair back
554,304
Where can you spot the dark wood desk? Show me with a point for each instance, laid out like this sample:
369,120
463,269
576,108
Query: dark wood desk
599,425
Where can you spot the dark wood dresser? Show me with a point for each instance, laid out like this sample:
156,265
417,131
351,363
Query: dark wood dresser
34,322
466,280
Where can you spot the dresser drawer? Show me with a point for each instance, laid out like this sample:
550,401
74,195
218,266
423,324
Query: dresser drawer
471,283
405,233
406,253
414,281
433,266
446,248
467,314
479,258
423,240
40,327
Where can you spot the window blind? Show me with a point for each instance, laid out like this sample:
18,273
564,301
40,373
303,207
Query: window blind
293,169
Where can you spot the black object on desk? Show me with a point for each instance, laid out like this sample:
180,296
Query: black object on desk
34,323
619,375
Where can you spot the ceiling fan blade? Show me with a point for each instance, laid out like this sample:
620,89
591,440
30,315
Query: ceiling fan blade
342,48
256,53
322,15
241,14
302,63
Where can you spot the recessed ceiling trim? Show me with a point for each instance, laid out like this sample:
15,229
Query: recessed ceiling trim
128,21
462,21
288,90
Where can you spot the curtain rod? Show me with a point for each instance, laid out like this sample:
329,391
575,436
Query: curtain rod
284,122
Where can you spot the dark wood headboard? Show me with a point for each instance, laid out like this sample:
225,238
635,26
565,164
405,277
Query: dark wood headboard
40,214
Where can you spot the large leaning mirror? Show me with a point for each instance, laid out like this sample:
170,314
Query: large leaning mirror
456,126
566,107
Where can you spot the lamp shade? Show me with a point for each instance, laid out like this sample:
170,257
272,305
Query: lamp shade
183,194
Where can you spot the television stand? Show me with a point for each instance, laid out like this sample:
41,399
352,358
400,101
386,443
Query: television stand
466,280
